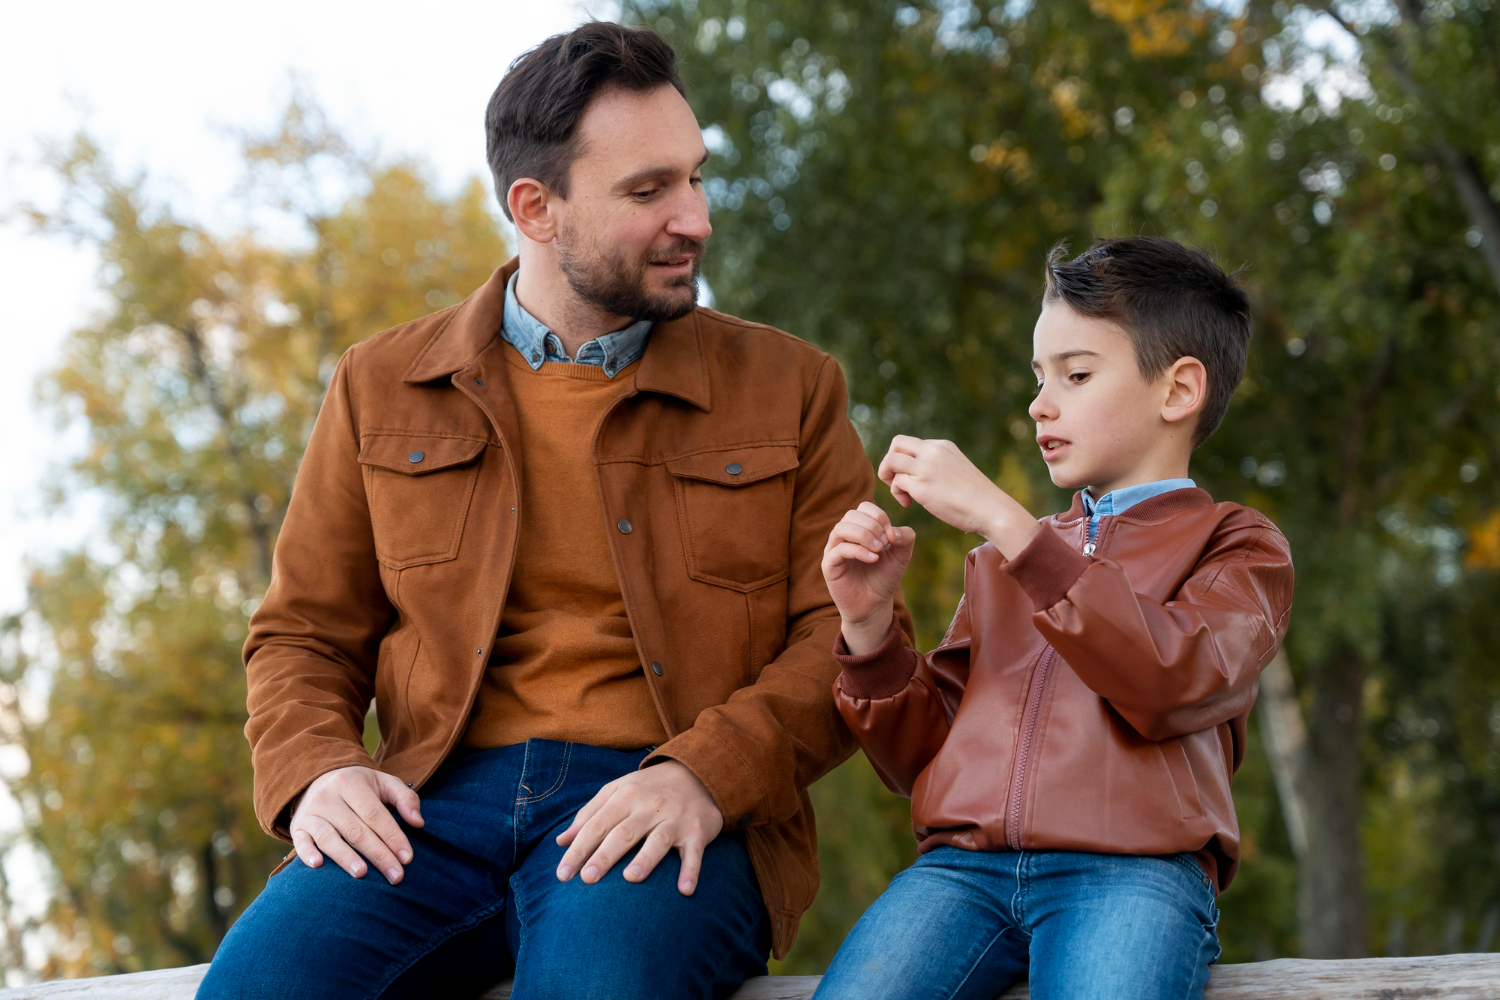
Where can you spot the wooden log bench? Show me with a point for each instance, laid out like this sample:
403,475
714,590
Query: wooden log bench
1440,977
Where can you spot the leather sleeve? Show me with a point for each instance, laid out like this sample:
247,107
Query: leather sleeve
760,750
314,641
1170,668
899,703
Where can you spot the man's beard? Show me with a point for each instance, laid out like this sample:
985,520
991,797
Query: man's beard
609,280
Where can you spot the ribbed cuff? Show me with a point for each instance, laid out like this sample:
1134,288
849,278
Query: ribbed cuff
882,673
1047,569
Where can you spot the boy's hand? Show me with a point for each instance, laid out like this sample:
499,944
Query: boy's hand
863,562
939,477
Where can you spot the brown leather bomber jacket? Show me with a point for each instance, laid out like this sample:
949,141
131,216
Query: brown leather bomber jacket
1086,703
721,471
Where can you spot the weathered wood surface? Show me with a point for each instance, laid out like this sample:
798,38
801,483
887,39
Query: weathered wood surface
1442,977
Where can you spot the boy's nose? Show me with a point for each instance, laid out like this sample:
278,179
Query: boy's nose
1040,409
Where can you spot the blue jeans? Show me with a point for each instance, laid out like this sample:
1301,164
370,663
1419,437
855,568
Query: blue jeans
481,900
964,925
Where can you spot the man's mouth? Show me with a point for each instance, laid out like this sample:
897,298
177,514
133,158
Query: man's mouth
675,263
1053,448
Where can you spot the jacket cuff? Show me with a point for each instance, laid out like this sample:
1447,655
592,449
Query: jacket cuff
882,673
729,778
1047,568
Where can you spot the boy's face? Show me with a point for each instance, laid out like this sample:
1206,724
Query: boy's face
1099,423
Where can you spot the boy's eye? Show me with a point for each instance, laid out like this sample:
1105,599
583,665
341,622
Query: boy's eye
1038,390
1078,378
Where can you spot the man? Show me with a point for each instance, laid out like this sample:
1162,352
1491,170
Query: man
567,534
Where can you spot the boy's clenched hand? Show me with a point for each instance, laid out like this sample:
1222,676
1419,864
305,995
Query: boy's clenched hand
939,477
863,562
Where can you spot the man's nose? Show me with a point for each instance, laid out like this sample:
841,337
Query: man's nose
690,215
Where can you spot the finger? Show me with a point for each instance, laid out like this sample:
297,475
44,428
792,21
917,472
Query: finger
858,534
649,856
692,861
394,791
905,538
873,510
371,810
583,815
905,444
356,833
332,844
307,851
589,836
849,552
896,463
625,835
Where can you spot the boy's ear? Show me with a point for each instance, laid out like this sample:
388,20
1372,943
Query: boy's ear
531,208
1186,383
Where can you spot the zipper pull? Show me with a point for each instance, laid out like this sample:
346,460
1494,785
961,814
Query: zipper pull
1088,548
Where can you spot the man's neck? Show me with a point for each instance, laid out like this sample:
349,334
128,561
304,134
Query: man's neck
543,290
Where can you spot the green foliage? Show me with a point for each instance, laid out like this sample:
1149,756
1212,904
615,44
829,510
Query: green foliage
194,391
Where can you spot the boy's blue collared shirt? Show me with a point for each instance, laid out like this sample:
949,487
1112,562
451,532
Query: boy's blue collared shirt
1120,500
538,345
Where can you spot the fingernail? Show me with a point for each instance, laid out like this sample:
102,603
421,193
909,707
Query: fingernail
590,873
564,873
632,872
405,856
393,874
687,887
359,870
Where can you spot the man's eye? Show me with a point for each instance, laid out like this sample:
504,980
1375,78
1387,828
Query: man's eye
643,195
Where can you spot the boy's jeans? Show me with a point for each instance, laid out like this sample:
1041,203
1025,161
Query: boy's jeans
963,925
481,896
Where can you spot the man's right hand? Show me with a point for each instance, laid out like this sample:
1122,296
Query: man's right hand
862,564
343,815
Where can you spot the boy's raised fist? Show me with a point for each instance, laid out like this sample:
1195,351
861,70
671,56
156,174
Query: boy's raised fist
863,562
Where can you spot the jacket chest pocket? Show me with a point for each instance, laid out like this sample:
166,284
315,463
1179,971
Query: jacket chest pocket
418,488
734,508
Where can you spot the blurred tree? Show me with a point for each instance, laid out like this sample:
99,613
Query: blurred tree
887,179
194,391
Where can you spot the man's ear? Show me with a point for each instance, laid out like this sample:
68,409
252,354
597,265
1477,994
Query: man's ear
533,209
1186,383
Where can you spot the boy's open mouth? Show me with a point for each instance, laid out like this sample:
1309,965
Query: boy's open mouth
1053,448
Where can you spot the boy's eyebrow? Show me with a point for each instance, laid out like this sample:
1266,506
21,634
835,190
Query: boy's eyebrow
651,173
1075,353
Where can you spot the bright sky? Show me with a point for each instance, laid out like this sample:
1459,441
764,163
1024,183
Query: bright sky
159,85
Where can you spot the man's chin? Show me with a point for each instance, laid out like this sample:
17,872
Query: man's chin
673,302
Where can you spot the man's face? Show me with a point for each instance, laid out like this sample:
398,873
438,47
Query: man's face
632,230
1096,416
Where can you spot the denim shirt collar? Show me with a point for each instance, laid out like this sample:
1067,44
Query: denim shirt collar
1120,500
537,344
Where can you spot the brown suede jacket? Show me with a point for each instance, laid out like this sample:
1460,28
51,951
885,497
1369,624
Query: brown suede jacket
720,473
1086,703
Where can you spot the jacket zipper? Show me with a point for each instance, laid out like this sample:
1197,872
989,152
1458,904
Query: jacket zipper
1028,729
1023,750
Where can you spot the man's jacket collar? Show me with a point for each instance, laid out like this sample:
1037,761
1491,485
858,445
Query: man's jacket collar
673,363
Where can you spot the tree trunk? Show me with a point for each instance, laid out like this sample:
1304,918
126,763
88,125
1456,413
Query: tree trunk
1331,891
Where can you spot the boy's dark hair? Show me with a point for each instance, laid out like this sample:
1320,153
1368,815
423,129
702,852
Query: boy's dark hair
1172,301
531,123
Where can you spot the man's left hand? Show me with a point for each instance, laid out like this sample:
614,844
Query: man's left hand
665,805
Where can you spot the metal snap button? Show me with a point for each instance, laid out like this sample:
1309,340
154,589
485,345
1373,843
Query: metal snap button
416,457
624,526
733,468
656,668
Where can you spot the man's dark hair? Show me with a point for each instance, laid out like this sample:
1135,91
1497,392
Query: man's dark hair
1170,300
531,125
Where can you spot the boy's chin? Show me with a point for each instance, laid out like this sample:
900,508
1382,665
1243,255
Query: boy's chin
1067,479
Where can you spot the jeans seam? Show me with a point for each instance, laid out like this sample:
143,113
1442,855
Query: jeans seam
1199,963
561,777
967,975
1015,901
427,947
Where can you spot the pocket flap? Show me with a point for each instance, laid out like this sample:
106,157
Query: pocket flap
415,454
735,466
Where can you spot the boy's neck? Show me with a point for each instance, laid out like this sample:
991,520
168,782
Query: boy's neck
1138,477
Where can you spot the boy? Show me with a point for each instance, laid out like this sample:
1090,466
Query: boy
1069,745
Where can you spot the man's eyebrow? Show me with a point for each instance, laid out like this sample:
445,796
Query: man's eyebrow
652,173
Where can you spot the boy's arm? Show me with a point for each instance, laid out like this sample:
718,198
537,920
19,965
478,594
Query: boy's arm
1175,668
900,704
